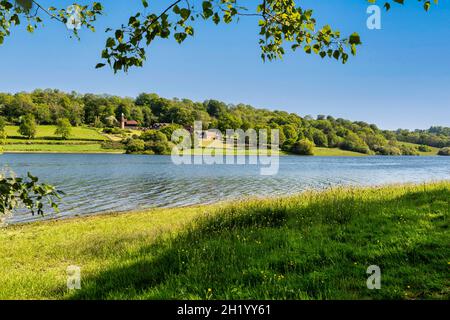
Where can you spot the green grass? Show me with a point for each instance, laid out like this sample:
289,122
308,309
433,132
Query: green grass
336,152
82,140
48,133
316,245
58,148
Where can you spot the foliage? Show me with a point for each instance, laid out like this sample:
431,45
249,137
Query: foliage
156,142
353,142
134,145
444,152
303,147
282,25
63,128
438,137
3,134
27,126
27,192
424,148
48,106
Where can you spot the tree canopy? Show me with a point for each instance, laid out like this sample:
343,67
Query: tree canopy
283,25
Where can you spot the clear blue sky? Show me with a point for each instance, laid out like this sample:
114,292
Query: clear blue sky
400,78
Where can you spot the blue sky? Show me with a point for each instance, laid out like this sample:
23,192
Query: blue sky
400,78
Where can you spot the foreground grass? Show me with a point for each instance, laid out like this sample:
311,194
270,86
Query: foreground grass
311,246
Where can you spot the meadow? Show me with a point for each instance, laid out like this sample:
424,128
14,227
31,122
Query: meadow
81,140
315,245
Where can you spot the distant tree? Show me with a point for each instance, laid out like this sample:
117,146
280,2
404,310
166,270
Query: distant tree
27,126
333,139
3,135
320,139
63,128
290,132
156,142
353,142
303,147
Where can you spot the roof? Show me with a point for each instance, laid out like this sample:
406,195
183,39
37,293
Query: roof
131,122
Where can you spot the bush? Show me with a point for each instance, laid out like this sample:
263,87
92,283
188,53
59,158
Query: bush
320,139
389,151
424,148
135,146
408,151
112,130
444,151
303,147
354,143
156,142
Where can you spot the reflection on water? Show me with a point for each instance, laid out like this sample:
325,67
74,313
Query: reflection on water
103,183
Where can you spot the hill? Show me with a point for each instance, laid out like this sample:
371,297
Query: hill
150,110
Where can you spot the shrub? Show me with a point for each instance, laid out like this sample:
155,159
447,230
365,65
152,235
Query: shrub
156,142
112,130
408,151
303,147
444,151
389,151
320,139
424,148
135,146
352,142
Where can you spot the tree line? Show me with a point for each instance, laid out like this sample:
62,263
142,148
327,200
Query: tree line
297,133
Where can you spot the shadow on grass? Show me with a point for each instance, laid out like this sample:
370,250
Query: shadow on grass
246,251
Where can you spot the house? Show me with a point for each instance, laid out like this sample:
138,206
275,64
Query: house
128,124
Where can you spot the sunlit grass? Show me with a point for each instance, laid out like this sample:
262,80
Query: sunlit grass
48,132
316,245
58,148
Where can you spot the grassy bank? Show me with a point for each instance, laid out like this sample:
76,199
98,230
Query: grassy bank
58,148
81,140
311,246
48,133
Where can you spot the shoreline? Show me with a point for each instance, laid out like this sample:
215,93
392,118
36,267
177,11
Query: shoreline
52,218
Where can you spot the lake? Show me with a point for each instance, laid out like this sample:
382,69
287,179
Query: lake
112,182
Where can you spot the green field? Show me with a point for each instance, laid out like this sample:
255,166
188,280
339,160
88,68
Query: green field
316,245
59,148
82,140
336,152
48,133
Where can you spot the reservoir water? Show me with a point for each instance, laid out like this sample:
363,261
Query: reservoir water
111,182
